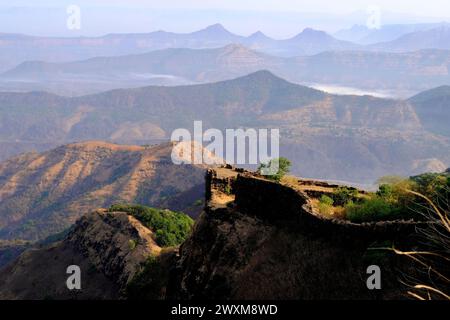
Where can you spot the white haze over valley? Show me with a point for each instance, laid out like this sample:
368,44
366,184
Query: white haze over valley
342,90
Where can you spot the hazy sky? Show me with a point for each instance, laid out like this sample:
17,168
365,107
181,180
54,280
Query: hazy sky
278,18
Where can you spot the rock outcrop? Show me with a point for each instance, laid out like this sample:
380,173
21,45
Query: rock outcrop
109,248
261,240
256,239
43,194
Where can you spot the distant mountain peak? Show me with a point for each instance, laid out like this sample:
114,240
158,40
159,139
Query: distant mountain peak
258,35
312,34
238,54
265,75
215,29
307,31
216,26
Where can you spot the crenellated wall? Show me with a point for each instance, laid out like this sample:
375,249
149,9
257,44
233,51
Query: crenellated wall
283,205
258,239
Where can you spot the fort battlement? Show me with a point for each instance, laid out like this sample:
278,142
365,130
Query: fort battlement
246,192
261,239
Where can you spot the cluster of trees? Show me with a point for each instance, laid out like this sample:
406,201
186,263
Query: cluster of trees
397,198
171,228
333,204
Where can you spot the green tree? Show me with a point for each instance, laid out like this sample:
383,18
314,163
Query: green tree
374,209
343,195
171,228
326,200
284,167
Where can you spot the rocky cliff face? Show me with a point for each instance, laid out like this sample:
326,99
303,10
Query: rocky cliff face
263,241
109,248
43,194
256,239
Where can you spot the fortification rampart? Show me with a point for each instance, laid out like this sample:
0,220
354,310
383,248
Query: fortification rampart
275,203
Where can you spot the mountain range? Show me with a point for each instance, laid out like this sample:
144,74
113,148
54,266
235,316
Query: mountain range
364,35
16,48
161,67
350,138
86,123
436,38
396,74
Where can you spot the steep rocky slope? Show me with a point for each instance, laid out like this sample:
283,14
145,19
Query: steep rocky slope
100,244
264,241
42,194
255,240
